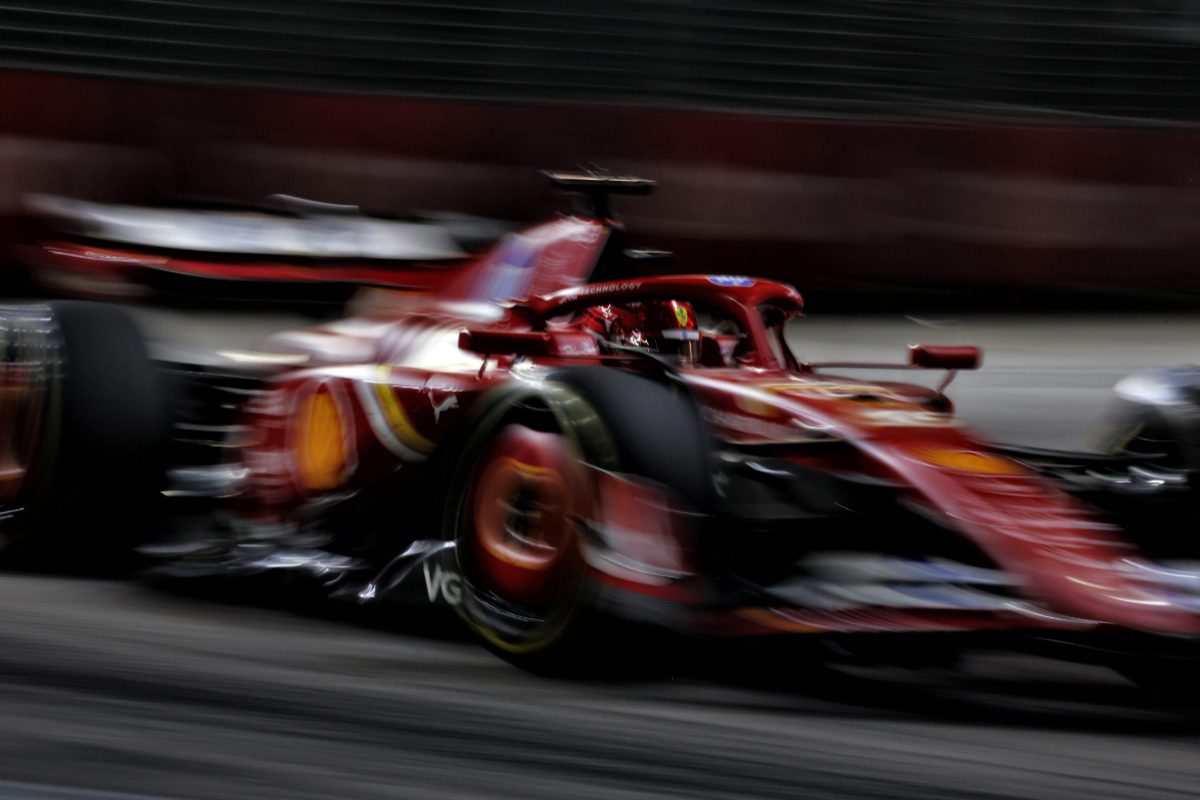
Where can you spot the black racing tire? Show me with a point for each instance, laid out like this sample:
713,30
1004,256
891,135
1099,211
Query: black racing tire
31,363
656,427
1155,413
1142,431
596,411
550,636
100,468
1146,432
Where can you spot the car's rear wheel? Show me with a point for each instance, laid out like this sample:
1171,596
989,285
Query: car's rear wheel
30,399
84,426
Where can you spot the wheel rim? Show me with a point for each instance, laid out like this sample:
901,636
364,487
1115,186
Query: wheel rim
522,514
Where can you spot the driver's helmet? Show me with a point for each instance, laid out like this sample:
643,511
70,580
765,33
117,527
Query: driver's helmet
663,326
669,327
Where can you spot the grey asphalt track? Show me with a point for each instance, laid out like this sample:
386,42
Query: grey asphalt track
119,689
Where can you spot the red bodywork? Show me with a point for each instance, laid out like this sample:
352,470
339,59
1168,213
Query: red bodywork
379,393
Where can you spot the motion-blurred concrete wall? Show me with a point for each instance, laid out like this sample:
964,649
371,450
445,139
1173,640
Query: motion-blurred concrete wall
913,202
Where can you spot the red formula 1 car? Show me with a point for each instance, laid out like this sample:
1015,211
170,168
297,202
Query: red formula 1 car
539,452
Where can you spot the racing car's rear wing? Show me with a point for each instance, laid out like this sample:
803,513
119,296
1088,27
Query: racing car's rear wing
594,189
600,182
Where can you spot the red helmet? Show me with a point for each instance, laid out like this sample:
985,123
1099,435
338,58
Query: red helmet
664,326
669,327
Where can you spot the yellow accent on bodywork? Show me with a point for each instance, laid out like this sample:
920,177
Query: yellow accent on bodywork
969,461
399,422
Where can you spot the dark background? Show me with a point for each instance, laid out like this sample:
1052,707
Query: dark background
1044,144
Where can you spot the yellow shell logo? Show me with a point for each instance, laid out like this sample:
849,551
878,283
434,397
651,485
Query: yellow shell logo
320,444
969,461
681,314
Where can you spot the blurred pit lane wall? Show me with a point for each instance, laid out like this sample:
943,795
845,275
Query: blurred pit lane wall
920,203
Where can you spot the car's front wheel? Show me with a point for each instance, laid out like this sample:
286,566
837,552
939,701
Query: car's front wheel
525,494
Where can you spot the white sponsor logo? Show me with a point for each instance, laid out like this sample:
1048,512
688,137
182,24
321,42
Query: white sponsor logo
442,407
438,582
604,288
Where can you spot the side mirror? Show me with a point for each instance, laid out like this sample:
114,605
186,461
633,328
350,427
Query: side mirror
499,342
945,356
